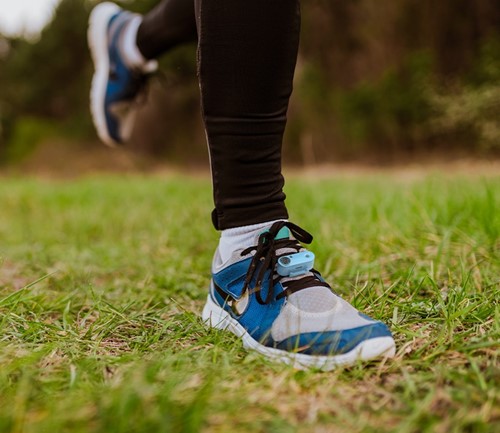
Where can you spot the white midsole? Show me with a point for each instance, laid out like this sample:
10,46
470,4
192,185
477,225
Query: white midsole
98,44
216,317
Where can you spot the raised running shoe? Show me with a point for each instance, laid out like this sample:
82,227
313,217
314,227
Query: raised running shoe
116,87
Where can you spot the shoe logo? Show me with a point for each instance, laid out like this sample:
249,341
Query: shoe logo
238,306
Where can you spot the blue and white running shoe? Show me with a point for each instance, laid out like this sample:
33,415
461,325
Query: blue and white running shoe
271,296
115,86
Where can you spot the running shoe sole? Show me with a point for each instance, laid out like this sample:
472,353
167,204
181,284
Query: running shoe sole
381,347
97,36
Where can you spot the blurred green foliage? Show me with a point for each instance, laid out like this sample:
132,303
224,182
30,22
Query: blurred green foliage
26,133
376,79
44,82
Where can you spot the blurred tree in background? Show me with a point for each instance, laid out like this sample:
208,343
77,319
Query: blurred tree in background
376,79
43,83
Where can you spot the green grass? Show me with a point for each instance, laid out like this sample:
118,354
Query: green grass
102,281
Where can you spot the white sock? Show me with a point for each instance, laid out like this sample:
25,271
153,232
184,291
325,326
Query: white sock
128,45
239,238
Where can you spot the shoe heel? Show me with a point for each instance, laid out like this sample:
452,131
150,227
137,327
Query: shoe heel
214,316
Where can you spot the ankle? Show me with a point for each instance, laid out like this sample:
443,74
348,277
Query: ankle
239,238
129,50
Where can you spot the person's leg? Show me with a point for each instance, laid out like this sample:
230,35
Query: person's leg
264,288
170,23
247,55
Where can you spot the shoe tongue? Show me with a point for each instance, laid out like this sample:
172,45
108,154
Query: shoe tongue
284,233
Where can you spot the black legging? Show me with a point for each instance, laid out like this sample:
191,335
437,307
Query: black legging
247,50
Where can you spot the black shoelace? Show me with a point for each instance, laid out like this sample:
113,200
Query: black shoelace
266,258
139,86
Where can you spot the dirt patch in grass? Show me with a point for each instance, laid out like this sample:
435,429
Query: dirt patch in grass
404,171
12,277
62,159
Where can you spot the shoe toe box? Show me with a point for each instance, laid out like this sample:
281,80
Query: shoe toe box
333,342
